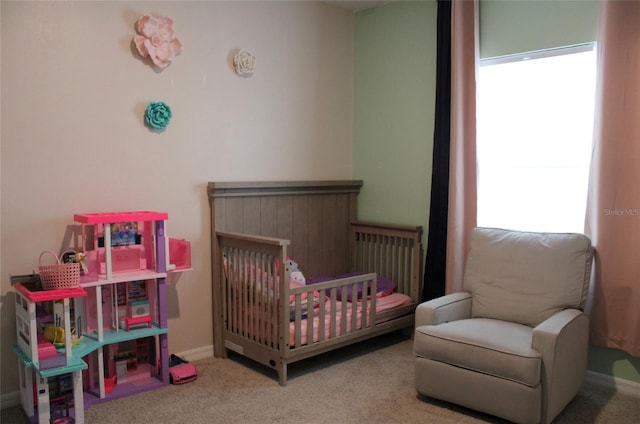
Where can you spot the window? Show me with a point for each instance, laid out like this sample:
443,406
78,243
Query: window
535,124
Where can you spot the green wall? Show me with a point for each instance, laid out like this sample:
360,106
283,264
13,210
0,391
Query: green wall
394,104
614,362
394,100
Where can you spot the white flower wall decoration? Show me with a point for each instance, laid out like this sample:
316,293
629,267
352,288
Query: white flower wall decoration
244,62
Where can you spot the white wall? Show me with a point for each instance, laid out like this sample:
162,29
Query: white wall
74,93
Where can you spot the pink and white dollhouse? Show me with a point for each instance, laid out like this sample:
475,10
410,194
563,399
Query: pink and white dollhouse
114,324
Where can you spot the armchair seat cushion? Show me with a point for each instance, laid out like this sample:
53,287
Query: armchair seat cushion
485,345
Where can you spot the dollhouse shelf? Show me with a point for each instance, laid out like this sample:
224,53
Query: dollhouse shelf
73,364
122,277
90,343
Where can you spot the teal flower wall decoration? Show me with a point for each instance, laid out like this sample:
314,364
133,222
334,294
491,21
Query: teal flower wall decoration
158,115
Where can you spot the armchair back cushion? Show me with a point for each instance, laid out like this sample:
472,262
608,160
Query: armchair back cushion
541,273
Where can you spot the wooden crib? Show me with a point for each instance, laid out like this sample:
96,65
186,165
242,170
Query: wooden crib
257,226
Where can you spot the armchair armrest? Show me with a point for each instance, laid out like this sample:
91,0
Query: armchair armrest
451,307
562,340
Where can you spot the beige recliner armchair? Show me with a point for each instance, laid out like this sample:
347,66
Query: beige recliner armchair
514,344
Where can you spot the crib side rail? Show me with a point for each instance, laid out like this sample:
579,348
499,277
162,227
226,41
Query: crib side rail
390,250
250,275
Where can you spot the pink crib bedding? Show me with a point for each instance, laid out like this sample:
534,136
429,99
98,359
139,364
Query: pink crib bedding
323,328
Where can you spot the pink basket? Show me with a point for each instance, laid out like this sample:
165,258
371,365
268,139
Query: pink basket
59,275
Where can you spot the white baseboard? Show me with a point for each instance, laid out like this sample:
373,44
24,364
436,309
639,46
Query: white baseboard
198,353
613,383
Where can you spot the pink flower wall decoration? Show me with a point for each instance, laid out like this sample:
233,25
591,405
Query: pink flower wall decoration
156,39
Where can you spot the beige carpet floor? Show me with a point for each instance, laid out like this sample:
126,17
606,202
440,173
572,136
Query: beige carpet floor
371,383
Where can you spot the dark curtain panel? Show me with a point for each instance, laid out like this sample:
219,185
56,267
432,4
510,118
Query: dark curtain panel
436,261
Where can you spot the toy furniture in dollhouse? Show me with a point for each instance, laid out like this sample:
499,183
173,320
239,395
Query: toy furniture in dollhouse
118,313
133,305
132,322
129,361
61,398
138,308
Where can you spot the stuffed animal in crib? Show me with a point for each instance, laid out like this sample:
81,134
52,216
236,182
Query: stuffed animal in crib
294,271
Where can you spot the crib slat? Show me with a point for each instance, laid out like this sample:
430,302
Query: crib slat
244,292
354,308
233,303
322,315
272,323
309,319
333,315
298,322
258,300
364,308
